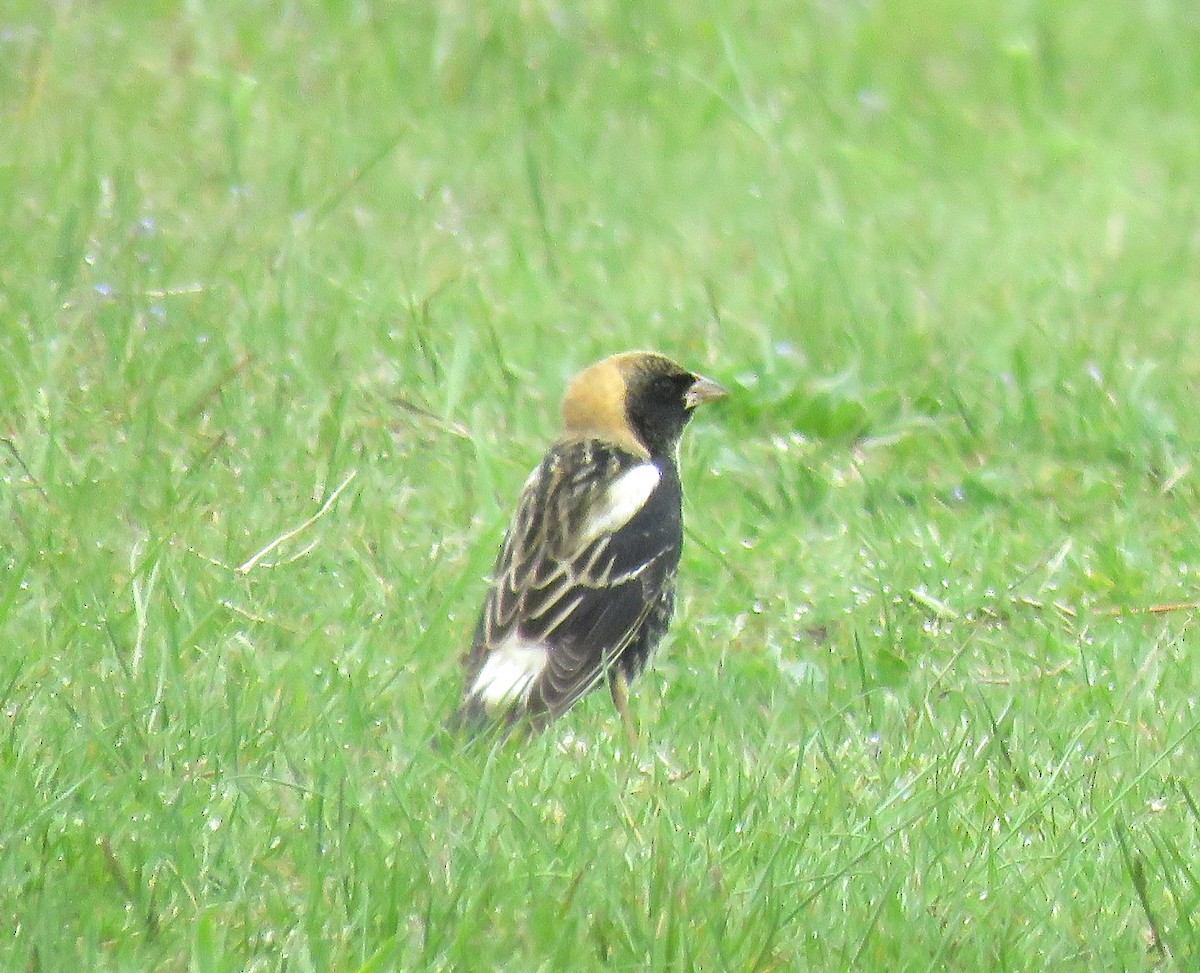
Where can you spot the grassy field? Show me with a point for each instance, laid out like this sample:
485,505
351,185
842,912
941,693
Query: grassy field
316,274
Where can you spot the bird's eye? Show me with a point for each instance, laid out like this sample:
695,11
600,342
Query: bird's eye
666,387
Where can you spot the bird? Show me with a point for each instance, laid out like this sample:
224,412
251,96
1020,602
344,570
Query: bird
583,588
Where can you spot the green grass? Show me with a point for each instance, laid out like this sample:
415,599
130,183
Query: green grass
915,712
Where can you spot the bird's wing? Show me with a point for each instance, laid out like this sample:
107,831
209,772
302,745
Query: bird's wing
590,554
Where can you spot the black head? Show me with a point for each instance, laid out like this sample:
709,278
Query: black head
639,399
656,402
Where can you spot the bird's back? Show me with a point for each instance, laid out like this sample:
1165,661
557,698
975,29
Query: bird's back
567,601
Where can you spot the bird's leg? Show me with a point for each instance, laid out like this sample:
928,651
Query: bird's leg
618,683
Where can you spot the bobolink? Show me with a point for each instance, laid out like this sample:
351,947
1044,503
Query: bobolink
584,585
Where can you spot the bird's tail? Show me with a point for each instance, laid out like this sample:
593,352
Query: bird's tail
470,719
474,723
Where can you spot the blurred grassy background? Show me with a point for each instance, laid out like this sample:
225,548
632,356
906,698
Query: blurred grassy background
930,701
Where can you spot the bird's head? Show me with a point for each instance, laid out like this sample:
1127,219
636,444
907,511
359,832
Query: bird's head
639,400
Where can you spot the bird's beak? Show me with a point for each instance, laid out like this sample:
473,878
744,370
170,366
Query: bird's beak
703,390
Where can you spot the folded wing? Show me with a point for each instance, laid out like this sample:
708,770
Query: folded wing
587,566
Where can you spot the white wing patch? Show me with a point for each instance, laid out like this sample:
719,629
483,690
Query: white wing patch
509,671
624,498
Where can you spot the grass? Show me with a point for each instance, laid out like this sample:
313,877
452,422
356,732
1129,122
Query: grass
930,701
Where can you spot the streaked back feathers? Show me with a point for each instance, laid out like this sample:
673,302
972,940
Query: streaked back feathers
583,587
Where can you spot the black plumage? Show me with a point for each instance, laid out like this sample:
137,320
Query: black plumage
584,586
